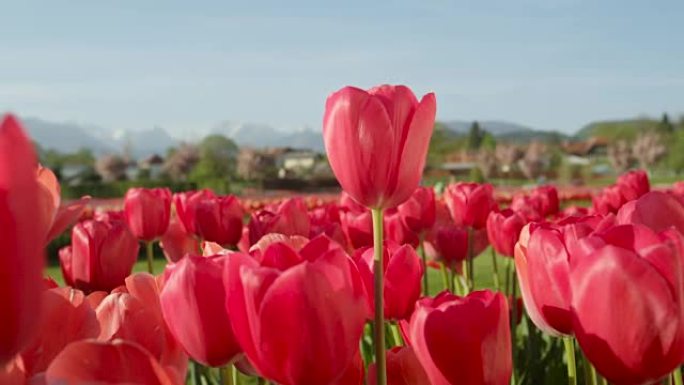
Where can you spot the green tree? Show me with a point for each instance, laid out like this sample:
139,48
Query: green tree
475,136
665,126
488,141
217,162
675,158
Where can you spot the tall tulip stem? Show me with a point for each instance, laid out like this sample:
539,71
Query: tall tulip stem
570,357
421,251
379,295
495,268
150,256
677,376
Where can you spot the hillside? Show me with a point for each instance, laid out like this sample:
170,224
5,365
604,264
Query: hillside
505,131
617,129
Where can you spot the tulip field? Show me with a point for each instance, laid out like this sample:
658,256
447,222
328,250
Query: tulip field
388,282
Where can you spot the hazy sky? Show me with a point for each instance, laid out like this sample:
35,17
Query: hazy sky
188,65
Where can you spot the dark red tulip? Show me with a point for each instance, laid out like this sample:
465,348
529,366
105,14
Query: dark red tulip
463,340
192,302
403,368
299,315
358,227
529,207
656,210
219,220
396,231
470,203
147,212
354,374
177,242
22,239
419,212
101,255
542,266
403,272
377,142
134,314
451,243
634,276
67,317
547,196
503,230
633,184
185,204
289,218
59,216
118,362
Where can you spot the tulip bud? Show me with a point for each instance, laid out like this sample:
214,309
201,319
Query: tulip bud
147,212
219,220
503,229
470,203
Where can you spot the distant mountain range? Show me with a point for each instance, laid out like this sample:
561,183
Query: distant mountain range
70,137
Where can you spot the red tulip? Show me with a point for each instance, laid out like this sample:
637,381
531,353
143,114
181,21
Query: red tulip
219,220
451,243
326,220
118,362
299,315
634,276
192,302
396,231
177,242
657,210
288,218
419,212
21,238
463,340
529,207
633,184
354,373
101,255
542,265
59,216
134,314
358,228
67,317
403,272
403,368
609,200
547,196
147,212
503,230
470,203
377,142
185,204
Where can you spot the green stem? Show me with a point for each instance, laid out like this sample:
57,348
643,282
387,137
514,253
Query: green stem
470,257
226,375
421,251
677,376
495,267
398,340
377,215
507,284
150,256
452,284
445,275
570,360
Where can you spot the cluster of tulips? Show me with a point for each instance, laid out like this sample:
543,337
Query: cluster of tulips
338,293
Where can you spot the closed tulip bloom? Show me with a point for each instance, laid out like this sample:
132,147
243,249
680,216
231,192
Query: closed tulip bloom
297,315
377,142
549,204
396,231
656,210
358,227
403,272
288,218
118,362
192,302
608,201
542,265
147,212
21,259
326,220
463,340
470,203
101,255
451,243
528,206
633,184
633,274
185,204
403,368
219,220
419,212
503,230
177,242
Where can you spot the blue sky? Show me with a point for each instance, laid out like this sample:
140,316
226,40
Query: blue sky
552,64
